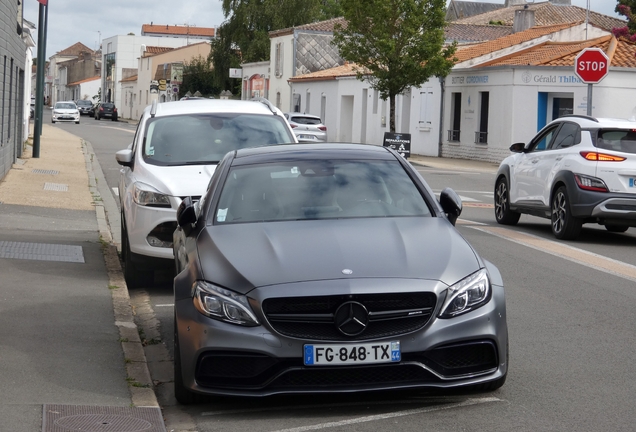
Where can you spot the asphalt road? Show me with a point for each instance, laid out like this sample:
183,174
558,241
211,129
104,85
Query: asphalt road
570,316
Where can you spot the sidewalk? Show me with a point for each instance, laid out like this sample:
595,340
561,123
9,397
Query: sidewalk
69,348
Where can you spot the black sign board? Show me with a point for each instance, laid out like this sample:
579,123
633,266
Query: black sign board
400,142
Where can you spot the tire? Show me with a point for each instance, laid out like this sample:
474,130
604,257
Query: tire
76,122
114,119
616,228
564,225
134,276
53,121
181,393
503,214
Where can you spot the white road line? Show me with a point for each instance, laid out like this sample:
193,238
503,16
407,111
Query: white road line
165,305
115,191
116,128
561,250
333,405
372,418
469,222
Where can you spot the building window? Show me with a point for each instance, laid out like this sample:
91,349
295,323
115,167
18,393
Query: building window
4,84
323,108
278,60
456,117
278,100
10,98
307,104
426,99
481,136
146,97
376,97
296,102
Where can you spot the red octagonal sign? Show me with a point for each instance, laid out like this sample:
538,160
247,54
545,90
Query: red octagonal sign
591,65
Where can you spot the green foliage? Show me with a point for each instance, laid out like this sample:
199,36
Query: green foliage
198,76
498,23
244,36
396,44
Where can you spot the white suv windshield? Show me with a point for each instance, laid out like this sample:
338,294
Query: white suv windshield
206,138
319,189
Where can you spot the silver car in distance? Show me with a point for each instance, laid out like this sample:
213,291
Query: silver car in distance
313,268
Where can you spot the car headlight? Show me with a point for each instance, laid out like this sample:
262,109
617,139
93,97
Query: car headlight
224,305
466,295
145,196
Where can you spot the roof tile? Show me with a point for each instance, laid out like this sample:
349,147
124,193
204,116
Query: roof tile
178,30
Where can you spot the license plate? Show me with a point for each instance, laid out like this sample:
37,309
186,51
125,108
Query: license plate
631,182
305,137
325,355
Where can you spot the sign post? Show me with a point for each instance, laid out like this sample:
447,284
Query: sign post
591,66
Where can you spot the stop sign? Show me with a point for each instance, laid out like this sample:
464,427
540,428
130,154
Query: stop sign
591,65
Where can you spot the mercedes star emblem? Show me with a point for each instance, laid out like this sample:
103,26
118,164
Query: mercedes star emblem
351,318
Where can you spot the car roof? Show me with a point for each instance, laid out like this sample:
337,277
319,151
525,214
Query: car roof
596,123
299,114
286,152
198,106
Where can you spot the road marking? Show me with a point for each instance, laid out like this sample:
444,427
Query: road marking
115,191
570,253
479,205
366,419
333,405
116,128
165,305
469,222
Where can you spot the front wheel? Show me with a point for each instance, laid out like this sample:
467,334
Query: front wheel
503,214
134,276
564,225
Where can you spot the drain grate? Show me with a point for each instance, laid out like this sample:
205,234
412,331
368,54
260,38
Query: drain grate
41,251
65,418
41,171
59,187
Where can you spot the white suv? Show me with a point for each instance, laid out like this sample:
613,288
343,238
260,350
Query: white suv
174,153
577,170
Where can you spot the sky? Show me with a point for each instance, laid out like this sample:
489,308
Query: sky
90,21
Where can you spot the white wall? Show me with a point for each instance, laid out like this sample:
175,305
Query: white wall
280,84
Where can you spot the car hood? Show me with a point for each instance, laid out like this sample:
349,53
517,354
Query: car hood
245,256
182,180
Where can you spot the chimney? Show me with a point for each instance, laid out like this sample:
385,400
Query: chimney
524,19
510,3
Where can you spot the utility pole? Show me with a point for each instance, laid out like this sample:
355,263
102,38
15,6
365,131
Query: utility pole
39,77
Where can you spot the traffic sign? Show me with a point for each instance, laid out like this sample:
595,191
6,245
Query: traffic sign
591,65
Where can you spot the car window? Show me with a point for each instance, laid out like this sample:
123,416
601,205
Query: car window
65,105
306,120
84,102
568,135
323,189
542,141
108,105
206,138
623,140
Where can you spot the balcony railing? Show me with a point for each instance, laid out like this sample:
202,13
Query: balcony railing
453,136
481,137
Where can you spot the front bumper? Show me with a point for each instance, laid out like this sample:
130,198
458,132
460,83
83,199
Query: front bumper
144,224
65,117
221,358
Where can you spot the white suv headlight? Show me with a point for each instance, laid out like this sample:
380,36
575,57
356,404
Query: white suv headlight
145,195
222,304
466,295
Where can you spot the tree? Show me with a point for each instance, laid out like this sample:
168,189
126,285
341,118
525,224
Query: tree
245,33
625,7
395,44
198,76
224,55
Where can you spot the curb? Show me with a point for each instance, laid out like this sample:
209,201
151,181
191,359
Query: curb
138,375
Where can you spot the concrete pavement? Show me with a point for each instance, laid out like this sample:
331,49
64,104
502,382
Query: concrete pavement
68,340
68,337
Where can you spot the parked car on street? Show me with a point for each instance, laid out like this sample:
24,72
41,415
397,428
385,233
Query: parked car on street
175,151
307,127
106,110
65,111
330,268
84,106
576,170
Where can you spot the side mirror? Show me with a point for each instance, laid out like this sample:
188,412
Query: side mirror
124,157
451,204
518,147
186,215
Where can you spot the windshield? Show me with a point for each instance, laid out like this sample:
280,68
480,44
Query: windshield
206,138
84,102
623,140
65,105
318,190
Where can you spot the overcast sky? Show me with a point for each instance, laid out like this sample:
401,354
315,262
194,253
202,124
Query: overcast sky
89,21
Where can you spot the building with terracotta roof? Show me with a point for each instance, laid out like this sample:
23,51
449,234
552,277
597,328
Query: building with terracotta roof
56,72
192,33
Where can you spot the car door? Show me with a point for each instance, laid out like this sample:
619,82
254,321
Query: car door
567,136
526,186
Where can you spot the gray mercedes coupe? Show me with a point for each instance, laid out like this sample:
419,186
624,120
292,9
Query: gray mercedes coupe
312,268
